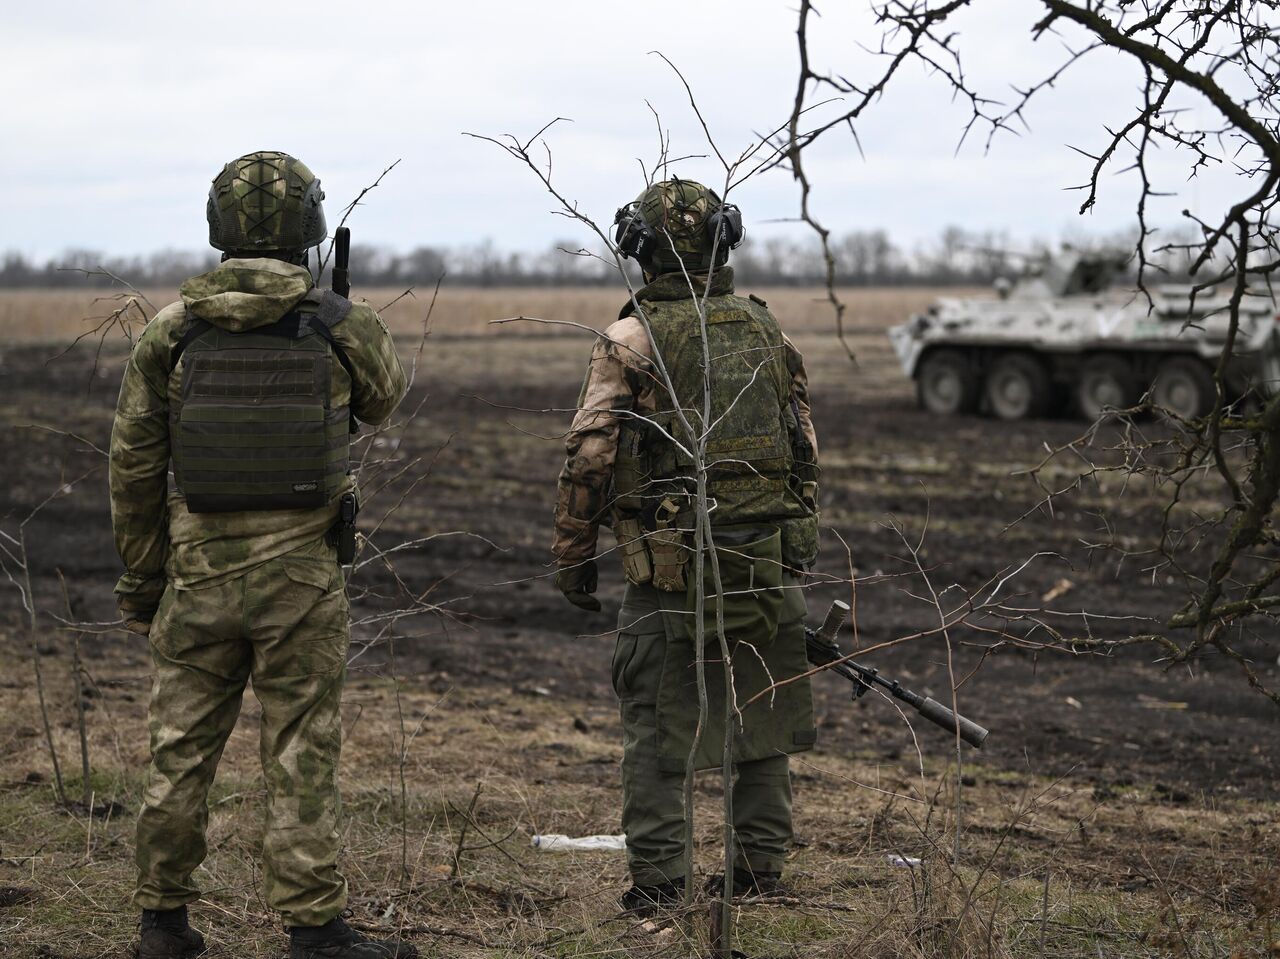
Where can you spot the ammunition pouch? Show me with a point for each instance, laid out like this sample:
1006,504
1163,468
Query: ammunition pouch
669,550
636,565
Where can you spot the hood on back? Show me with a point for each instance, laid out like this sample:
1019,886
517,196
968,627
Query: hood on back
243,294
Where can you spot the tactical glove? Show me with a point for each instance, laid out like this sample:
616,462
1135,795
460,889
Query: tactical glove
137,620
578,582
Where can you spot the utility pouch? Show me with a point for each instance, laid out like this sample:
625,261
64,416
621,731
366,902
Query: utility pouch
799,542
342,534
669,551
636,564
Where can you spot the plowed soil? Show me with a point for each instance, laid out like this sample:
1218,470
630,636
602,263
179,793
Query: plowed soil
492,404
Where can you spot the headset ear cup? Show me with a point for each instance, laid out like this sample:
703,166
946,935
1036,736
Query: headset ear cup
724,228
634,237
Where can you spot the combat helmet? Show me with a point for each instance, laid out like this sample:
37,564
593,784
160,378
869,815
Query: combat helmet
266,203
678,225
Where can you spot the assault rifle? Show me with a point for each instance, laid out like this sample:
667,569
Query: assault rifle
342,261
820,644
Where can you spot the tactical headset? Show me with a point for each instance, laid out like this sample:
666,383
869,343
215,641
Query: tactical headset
639,240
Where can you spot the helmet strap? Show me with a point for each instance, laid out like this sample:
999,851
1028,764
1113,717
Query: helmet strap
296,257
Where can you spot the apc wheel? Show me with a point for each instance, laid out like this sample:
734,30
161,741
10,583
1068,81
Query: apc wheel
1106,382
1017,387
946,384
1183,387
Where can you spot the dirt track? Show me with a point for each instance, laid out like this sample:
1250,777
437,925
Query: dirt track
1111,722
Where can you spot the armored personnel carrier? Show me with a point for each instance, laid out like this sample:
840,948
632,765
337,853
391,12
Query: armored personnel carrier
1065,336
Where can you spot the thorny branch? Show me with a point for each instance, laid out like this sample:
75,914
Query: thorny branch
1220,470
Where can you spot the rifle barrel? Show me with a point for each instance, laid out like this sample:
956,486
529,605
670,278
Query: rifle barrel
823,651
952,721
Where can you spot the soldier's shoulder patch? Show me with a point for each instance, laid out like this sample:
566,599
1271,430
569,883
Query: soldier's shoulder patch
755,299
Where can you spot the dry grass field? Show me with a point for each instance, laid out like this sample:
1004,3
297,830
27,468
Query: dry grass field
58,316
1118,810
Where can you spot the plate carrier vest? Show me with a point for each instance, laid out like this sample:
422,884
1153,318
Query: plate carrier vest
255,429
752,447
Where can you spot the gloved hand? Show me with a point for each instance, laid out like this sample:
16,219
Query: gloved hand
578,582
134,624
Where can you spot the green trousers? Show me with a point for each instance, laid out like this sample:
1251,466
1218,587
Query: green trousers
284,624
653,799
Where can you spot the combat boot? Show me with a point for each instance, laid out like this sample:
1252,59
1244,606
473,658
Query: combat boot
747,884
167,935
647,900
336,940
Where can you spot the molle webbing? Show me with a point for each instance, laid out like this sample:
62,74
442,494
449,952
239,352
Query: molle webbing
255,429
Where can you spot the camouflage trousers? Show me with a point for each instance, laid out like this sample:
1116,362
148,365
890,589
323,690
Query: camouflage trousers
285,625
653,795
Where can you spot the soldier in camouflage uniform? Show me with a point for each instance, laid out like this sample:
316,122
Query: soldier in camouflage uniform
628,467
247,385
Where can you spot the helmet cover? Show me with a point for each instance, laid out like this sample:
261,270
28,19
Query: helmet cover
266,202
675,224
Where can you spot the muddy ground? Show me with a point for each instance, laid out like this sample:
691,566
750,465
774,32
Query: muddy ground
490,414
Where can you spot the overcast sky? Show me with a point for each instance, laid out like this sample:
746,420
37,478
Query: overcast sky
117,115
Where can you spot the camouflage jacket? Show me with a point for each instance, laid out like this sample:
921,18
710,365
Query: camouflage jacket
158,539
621,378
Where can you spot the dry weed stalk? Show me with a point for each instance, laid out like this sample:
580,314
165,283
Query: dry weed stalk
77,672
16,566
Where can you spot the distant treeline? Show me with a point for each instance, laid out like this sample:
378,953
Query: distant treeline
862,258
